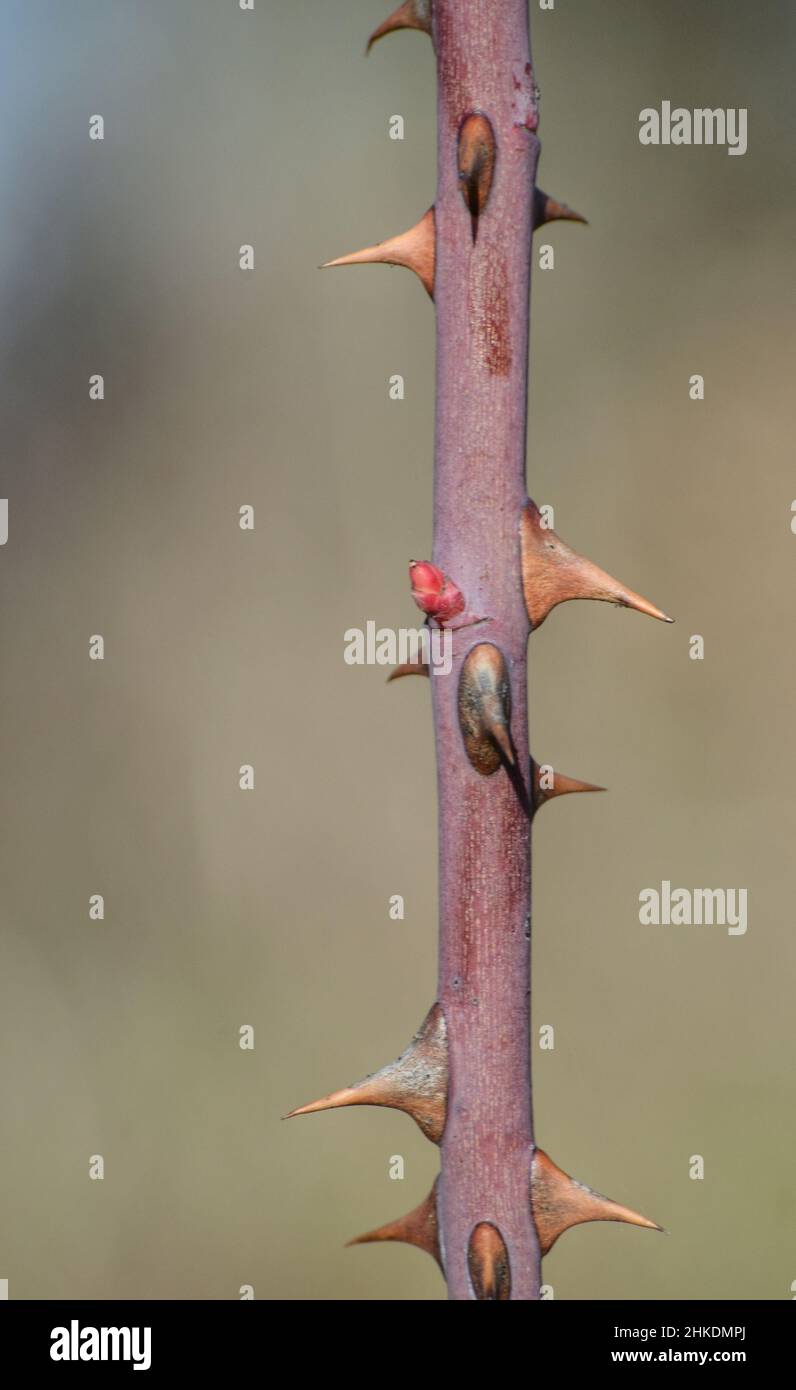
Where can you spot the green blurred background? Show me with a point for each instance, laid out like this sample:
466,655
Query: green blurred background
224,647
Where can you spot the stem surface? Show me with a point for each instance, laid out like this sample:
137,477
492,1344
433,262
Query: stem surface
482,302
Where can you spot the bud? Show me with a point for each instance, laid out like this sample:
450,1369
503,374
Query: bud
434,593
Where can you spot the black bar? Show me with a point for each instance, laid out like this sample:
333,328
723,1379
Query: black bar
218,1338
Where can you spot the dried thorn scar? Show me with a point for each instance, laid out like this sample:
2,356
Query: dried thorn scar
485,709
488,1263
477,151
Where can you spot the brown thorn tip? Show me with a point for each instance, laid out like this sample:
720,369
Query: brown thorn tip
559,1201
409,668
546,209
477,151
418,1227
485,708
552,573
547,783
416,1083
488,1263
413,14
414,249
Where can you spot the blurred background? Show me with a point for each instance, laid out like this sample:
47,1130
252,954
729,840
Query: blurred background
223,647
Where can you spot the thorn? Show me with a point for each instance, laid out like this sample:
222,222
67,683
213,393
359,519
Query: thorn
477,152
488,1263
416,1083
413,14
418,1227
409,668
485,708
561,784
415,249
546,209
552,573
558,1202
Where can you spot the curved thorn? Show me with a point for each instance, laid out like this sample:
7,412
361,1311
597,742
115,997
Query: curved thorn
408,668
413,14
546,209
418,1227
415,249
559,1201
488,1263
416,1083
552,573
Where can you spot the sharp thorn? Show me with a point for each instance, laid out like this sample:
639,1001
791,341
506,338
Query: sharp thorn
416,1083
408,668
546,209
413,14
552,573
547,783
559,1201
414,249
419,1227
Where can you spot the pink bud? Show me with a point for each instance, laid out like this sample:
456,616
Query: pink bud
426,580
434,593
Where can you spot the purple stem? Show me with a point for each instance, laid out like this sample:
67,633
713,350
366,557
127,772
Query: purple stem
482,304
